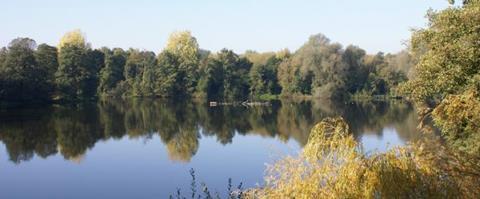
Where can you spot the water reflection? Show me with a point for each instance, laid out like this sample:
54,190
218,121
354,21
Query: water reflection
73,131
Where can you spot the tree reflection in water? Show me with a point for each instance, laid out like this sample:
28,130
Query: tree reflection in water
71,131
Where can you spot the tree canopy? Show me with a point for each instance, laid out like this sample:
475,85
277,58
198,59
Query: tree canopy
75,38
320,68
446,78
22,78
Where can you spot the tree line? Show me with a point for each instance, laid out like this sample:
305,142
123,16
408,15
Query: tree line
74,71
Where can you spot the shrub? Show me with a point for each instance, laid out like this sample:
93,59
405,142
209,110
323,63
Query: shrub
332,165
458,117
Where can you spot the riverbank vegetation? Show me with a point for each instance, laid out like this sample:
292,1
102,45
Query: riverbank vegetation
333,165
73,71
440,73
445,86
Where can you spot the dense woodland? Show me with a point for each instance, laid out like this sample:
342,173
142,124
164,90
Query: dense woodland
73,71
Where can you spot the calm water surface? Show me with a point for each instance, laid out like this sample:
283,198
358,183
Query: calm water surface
145,149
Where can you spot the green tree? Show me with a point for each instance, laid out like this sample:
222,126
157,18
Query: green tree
447,75
22,78
392,77
318,69
76,76
137,63
113,72
403,62
185,47
227,76
458,117
383,75
357,72
149,76
47,58
212,79
292,79
172,78
448,53
263,78
3,56
95,61
258,58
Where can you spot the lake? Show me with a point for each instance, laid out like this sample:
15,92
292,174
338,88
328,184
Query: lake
145,148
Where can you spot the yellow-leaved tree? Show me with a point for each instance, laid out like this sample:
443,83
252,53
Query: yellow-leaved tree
179,65
185,46
75,38
77,74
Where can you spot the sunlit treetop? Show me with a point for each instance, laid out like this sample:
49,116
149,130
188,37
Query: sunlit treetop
448,53
284,53
75,38
258,58
184,45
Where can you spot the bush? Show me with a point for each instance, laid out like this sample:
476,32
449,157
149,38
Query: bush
458,117
332,165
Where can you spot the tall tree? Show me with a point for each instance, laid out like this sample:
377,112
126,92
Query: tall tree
357,73
258,58
75,75
3,56
448,53
137,63
318,69
447,76
95,61
185,47
113,72
227,76
172,78
263,77
47,58
73,38
403,62
149,76
22,78
211,82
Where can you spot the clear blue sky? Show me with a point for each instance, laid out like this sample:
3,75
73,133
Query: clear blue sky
261,25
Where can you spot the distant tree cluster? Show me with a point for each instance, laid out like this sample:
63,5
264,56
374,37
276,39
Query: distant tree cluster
326,70
73,71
